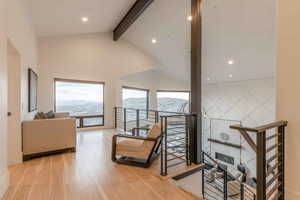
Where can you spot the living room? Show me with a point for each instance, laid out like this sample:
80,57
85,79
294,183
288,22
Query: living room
61,59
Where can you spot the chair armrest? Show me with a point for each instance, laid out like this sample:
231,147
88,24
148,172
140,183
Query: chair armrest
135,137
136,130
141,128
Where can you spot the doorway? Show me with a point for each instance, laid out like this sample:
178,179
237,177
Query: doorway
14,147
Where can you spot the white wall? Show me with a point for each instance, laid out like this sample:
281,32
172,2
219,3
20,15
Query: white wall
93,57
3,104
21,34
288,87
14,24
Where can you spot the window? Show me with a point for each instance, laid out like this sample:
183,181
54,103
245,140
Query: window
173,101
135,98
82,99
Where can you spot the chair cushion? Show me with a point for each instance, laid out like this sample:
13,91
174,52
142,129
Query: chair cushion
154,131
134,148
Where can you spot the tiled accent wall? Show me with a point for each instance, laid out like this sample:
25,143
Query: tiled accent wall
251,102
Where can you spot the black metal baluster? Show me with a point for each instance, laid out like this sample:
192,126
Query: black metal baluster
225,185
116,117
162,169
156,117
187,126
242,191
203,180
125,119
261,165
137,123
281,160
166,145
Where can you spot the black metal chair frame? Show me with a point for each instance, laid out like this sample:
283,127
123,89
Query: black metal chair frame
145,163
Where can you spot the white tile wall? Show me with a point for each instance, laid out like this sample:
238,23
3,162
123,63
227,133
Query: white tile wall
251,102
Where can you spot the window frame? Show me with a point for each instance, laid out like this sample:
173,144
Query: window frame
81,118
176,91
139,89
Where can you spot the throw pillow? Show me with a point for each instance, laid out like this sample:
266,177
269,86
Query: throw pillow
39,115
50,115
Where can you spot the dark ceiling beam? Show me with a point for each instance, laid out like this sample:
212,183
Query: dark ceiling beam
132,15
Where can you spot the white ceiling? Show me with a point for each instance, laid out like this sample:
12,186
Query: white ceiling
232,29
243,30
165,20
62,17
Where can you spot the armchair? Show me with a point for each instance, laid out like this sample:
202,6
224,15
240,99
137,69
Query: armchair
136,150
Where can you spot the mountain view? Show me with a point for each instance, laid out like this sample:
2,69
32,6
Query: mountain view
173,105
80,107
164,104
88,108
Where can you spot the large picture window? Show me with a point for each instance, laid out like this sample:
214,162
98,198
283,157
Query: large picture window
173,101
82,99
135,98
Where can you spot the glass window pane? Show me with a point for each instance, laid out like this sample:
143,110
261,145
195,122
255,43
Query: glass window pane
79,98
134,98
93,121
173,101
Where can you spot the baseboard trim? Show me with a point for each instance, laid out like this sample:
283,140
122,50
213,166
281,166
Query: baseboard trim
4,180
292,195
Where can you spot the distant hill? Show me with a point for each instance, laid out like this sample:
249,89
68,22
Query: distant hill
80,107
164,104
94,108
172,104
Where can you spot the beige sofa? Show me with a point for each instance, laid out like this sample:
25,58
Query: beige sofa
46,136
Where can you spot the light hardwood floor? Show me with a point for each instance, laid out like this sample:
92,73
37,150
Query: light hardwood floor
88,174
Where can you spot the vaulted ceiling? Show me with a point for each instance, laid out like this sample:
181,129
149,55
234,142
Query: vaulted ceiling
238,38
233,30
62,17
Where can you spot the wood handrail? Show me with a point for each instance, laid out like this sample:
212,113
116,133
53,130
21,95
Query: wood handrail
260,129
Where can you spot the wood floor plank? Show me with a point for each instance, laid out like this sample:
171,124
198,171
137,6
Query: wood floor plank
89,174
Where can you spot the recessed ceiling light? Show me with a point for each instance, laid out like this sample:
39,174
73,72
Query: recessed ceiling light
154,41
84,19
190,18
208,79
230,75
230,62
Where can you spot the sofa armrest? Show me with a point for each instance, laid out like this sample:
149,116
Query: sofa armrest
62,115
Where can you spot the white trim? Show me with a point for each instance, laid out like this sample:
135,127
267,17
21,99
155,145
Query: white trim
4,180
292,194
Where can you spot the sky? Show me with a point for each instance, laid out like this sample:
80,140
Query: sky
67,91
177,95
130,93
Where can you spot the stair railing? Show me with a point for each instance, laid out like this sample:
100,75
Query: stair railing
270,150
176,146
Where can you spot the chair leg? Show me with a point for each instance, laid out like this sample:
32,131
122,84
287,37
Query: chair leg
158,146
